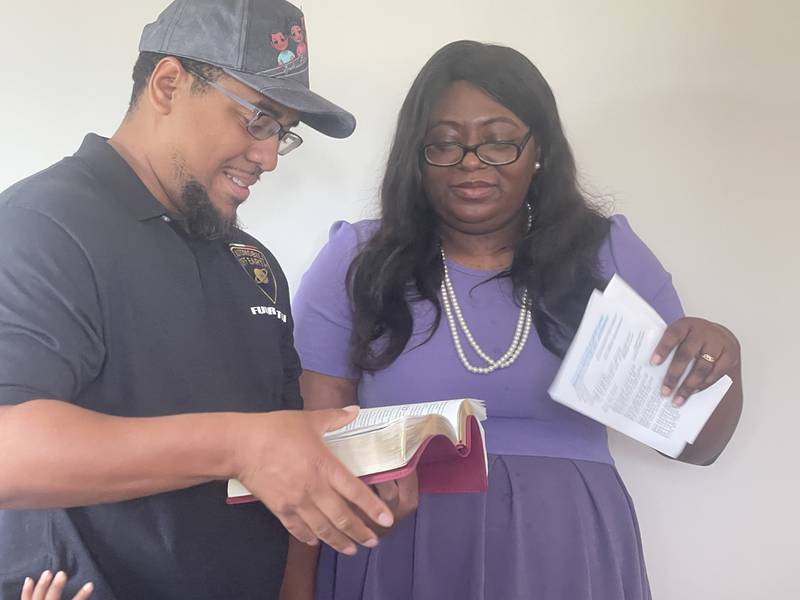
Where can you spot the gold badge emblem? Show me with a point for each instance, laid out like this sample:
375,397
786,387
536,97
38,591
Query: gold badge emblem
261,275
257,267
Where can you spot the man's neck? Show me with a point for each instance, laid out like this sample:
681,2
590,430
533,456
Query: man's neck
128,142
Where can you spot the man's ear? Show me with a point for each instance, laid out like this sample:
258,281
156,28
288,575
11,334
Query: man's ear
168,80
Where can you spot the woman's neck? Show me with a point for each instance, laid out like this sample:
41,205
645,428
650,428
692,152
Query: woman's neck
484,251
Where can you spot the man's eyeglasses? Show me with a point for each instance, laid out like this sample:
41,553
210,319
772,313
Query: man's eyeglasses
496,154
261,125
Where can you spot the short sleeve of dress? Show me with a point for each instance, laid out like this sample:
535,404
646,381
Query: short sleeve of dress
322,310
626,254
51,338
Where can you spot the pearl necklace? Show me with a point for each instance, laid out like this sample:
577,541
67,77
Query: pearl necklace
451,307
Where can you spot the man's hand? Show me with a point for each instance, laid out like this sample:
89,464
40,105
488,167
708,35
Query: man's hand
281,458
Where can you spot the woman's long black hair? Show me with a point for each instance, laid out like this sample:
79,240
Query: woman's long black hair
556,261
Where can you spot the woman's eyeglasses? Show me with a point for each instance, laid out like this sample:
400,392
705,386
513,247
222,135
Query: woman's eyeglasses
496,154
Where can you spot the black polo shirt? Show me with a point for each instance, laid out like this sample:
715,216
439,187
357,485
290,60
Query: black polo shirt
105,303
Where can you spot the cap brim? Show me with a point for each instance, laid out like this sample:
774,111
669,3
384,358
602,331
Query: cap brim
315,111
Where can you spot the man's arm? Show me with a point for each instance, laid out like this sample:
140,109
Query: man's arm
56,454
53,453
321,392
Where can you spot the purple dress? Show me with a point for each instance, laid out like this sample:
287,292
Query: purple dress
557,521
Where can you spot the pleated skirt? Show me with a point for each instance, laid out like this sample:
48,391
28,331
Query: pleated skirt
548,528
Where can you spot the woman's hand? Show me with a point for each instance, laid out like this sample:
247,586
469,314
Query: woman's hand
401,496
51,588
714,349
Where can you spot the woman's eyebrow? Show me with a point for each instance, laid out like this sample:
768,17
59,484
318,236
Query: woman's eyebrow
480,122
501,119
446,123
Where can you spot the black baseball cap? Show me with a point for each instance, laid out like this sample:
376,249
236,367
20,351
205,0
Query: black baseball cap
261,43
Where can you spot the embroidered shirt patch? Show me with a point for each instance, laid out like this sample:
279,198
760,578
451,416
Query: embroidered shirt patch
257,267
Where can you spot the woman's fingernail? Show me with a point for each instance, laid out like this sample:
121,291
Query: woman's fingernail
60,575
678,401
371,543
350,550
665,390
28,583
656,360
385,520
87,587
45,575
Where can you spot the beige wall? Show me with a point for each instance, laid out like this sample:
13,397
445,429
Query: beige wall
686,112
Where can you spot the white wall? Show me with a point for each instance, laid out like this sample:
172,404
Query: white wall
684,111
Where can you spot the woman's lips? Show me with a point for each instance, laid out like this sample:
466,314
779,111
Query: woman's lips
473,190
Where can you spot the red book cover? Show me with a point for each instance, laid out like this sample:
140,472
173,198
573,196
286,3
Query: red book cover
442,468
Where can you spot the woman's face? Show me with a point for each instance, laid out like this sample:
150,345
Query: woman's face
474,197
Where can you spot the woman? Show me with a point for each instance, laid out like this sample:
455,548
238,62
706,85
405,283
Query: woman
472,283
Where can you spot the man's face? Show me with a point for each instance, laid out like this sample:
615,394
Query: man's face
214,159
279,42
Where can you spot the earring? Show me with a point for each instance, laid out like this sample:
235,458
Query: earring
537,166
530,217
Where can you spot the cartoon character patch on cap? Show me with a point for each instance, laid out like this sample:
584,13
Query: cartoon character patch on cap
257,267
281,45
299,37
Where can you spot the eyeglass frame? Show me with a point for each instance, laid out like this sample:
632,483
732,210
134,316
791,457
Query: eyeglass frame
281,132
520,146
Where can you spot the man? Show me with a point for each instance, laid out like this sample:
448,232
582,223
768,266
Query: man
146,342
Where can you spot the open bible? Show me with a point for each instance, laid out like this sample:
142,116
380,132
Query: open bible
442,440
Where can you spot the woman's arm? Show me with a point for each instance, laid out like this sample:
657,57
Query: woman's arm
318,391
720,427
323,392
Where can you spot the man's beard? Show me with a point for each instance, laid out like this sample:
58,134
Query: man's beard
201,219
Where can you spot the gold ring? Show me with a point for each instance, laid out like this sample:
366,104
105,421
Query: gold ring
707,357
